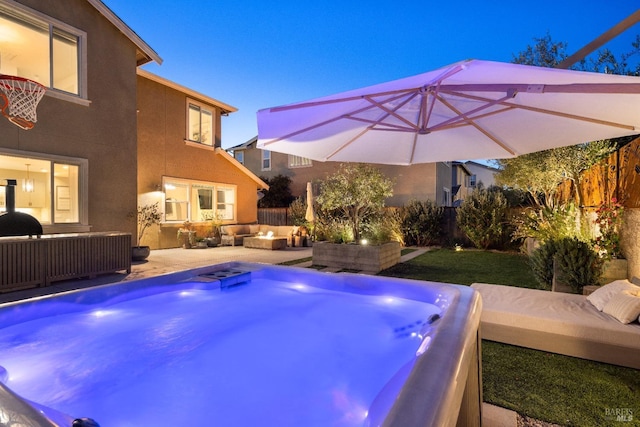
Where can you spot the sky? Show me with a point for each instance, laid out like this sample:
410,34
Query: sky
258,54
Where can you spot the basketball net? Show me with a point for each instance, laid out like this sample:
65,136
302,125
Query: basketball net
21,97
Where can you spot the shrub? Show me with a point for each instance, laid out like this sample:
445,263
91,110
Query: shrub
549,223
384,228
483,216
422,223
334,230
541,262
577,263
298,212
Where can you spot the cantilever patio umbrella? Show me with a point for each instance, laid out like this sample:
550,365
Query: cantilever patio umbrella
469,110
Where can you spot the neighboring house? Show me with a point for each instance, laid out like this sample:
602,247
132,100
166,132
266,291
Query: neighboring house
461,179
481,174
181,164
467,176
428,181
81,154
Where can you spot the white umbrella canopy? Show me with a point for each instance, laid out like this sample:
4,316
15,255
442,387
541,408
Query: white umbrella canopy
469,110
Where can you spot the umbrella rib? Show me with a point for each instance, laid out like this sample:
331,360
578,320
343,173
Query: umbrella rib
452,121
392,112
479,128
344,116
550,112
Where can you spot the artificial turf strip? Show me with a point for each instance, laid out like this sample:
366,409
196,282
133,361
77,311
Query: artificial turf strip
467,267
559,389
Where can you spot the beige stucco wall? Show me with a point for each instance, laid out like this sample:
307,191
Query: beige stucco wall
104,132
162,151
631,240
410,182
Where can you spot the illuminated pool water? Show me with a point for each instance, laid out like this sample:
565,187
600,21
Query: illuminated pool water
238,345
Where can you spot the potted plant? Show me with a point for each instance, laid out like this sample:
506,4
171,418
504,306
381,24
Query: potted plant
146,216
213,239
201,242
186,235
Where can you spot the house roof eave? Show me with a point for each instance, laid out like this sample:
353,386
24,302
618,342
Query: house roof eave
226,108
261,184
145,53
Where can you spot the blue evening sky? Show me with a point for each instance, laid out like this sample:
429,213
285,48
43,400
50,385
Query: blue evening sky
258,54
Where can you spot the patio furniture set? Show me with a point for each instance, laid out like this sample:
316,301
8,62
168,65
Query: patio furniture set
260,236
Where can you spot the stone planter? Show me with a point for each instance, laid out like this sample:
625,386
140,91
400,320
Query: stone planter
615,269
140,253
369,258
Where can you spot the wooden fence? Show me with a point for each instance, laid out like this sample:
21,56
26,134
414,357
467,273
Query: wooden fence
617,176
274,216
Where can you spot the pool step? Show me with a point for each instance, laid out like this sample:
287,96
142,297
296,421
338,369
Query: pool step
229,277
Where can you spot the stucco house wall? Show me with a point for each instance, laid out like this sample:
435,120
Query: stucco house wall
100,130
164,152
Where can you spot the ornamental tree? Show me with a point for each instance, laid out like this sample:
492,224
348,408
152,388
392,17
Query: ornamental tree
355,193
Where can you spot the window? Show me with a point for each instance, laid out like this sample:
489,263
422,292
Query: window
226,202
42,49
446,196
298,161
48,189
472,180
266,160
199,123
196,201
239,156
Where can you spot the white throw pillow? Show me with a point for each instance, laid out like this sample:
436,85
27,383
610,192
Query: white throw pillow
601,296
624,306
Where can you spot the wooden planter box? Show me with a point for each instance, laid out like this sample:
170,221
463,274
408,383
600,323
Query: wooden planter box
369,258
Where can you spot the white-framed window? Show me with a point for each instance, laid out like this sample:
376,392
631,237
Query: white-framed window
266,160
298,161
195,201
446,196
49,189
200,123
472,180
239,156
43,49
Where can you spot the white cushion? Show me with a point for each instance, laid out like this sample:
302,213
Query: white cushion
624,306
601,296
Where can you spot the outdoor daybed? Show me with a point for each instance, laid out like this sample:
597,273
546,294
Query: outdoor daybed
561,323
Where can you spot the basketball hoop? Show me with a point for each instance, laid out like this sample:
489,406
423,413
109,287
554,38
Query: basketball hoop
21,97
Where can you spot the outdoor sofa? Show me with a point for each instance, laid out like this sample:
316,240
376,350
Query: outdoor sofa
564,323
233,235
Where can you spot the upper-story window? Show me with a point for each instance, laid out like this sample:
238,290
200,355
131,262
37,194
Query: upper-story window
298,161
40,48
266,160
239,156
472,180
199,123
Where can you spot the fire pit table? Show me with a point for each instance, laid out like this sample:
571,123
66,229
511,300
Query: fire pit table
271,243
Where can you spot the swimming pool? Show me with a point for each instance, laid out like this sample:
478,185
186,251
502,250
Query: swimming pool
242,344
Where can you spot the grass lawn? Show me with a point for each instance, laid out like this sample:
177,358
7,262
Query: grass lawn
550,387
